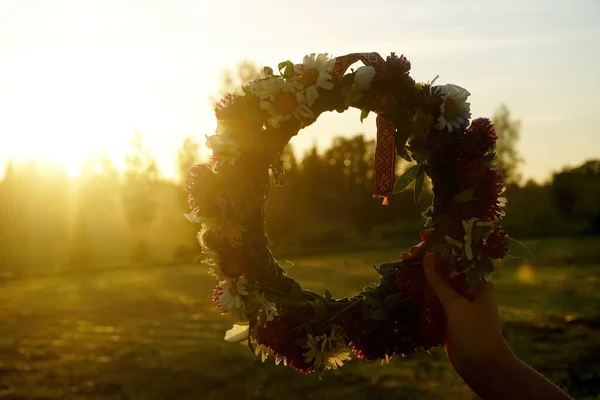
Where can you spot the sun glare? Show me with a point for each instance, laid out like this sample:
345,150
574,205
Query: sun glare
78,85
70,113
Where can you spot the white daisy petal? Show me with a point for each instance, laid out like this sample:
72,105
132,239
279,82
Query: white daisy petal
237,333
455,110
230,298
327,351
311,95
314,73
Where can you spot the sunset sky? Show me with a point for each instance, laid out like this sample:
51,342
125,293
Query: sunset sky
77,77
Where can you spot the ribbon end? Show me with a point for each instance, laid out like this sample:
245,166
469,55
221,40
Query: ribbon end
385,198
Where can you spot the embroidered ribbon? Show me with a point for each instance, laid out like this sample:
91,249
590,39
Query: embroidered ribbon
385,152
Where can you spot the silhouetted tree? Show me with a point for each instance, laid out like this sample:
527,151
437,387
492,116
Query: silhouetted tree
96,206
576,192
349,182
139,192
507,157
188,155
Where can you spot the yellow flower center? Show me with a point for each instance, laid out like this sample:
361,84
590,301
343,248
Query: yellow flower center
285,103
450,109
309,77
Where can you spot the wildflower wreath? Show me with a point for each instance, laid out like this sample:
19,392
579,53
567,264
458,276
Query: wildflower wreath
419,122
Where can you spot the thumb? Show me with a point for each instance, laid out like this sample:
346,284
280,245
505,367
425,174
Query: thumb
440,286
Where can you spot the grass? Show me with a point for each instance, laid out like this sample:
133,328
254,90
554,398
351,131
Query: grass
154,334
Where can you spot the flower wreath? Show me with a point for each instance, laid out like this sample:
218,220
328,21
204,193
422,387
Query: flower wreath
417,121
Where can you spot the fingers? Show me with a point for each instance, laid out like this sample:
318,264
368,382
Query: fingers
419,249
414,251
447,295
425,235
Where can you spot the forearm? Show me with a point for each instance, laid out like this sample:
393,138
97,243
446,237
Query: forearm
507,377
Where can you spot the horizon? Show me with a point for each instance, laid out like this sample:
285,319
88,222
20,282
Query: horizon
76,79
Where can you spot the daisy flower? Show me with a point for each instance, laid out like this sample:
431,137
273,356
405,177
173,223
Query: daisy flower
455,110
228,297
227,149
468,227
326,351
314,73
268,310
221,219
282,100
231,231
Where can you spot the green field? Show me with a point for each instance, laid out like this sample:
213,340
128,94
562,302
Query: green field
153,333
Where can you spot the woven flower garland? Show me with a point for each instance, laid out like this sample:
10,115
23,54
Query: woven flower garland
419,122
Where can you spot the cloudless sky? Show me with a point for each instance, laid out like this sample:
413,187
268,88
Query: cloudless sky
78,76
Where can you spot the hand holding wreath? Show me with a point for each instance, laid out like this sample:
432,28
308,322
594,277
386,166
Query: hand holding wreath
417,121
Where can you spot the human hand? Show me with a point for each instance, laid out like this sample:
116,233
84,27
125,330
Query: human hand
474,337
474,342
474,332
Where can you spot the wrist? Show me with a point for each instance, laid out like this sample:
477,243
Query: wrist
499,359
494,360
485,375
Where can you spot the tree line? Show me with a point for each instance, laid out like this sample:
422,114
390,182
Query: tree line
106,217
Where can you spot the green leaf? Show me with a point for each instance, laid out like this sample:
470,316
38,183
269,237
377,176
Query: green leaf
490,157
328,295
286,264
420,158
465,196
364,113
284,64
289,72
419,183
518,250
454,242
288,69
428,213
380,314
267,71
319,308
404,154
406,178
